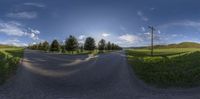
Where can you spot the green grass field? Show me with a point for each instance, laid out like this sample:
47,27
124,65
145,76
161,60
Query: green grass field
9,58
173,67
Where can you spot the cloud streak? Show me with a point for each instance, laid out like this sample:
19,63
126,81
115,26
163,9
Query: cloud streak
142,16
34,4
23,15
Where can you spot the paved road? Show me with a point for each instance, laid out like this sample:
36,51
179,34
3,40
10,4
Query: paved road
108,76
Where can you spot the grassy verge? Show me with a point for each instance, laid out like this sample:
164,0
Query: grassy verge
9,58
168,68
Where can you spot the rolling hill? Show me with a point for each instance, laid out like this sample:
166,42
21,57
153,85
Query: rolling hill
179,45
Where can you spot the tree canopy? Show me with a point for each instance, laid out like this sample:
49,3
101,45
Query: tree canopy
55,46
71,43
89,44
102,44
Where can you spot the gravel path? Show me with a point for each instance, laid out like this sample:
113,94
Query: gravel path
108,76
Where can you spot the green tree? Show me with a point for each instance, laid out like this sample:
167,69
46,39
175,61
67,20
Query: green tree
108,46
71,43
62,48
45,46
89,44
40,46
102,45
55,46
112,46
81,48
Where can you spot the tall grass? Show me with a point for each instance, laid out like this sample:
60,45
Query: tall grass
9,58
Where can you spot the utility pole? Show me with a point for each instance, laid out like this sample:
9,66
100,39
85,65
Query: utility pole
152,30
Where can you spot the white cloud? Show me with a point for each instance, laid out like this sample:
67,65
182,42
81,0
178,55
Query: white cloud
32,33
159,32
23,15
105,34
130,38
122,28
14,42
174,35
81,37
152,9
34,4
143,29
144,18
16,29
147,33
11,28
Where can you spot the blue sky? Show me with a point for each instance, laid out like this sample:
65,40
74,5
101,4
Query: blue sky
124,22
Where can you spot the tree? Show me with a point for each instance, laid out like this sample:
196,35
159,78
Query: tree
81,48
109,46
71,44
89,44
102,45
40,46
33,47
62,48
112,46
55,46
45,46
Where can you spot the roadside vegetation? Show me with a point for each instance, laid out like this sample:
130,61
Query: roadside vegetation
9,58
72,46
168,67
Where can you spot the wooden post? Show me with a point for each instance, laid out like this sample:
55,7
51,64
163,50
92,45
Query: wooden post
152,36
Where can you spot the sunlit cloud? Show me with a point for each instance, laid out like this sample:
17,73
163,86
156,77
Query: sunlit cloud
81,37
130,38
13,28
105,34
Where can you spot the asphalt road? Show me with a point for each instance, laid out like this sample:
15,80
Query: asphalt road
107,76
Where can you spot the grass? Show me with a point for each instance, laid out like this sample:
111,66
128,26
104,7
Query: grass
175,67
9,58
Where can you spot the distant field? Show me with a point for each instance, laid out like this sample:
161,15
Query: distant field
173,67
9,58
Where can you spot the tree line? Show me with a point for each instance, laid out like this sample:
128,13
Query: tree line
71,44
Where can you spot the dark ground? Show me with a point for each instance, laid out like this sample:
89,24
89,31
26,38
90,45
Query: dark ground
108,76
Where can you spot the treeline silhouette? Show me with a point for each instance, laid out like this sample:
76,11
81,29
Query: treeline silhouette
72,45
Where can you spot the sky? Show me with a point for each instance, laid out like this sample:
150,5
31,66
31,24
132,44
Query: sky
124,22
